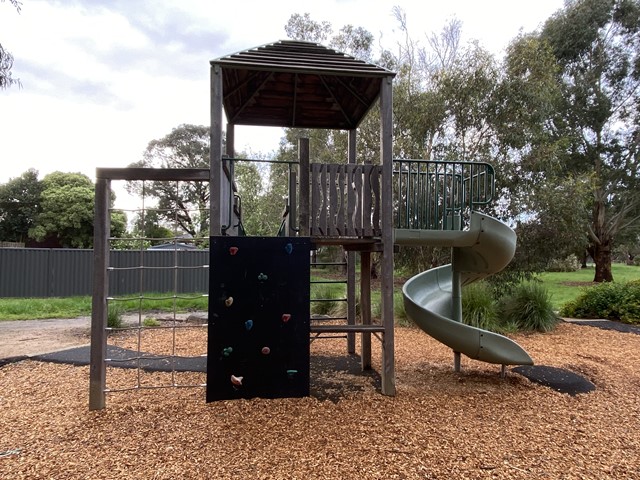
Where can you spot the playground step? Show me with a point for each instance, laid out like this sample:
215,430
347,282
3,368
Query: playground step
346,328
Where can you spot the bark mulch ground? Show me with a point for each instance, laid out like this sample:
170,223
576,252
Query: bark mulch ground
441,424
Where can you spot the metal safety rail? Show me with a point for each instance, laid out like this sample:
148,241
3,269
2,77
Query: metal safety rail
436,195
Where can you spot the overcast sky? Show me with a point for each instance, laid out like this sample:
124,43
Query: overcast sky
101,78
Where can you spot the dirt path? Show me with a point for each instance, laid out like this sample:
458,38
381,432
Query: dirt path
32,337
35,337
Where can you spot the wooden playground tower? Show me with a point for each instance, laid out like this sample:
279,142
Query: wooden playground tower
305,85
361,206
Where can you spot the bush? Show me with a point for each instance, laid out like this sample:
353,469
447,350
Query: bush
612,301
529,308
569,264
114,316
327,291
479,308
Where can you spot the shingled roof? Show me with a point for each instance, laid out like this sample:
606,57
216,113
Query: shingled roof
298,84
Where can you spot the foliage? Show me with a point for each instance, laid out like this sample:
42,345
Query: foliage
327,296
19,206
597,46
611,300
66,213
151,322
569,264
6,59
479,308
529,308
183,203
114,316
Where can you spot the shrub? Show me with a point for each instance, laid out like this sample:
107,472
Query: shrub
613,301
150,322
479,308
529,307
325,292
569,264
114,316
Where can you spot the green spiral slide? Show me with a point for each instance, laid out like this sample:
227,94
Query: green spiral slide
432,298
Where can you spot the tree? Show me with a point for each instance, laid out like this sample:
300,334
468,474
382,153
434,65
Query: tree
6,59
19,206
67,211
185,203
597,47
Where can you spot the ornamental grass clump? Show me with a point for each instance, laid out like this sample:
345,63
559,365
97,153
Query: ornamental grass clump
479,308
529,307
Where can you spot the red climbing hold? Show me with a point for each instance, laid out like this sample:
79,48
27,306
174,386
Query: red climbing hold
233,250
265,350
286,317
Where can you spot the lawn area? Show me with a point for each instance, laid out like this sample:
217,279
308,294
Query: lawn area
565,286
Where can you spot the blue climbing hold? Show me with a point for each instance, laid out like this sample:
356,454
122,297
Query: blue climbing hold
248,324
288,248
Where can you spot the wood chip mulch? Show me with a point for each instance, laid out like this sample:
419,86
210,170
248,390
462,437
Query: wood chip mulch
441,424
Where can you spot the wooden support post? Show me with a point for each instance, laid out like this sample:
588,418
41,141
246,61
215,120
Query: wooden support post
215,164
386,155
303,155
351,261
101,229
365,308
230,146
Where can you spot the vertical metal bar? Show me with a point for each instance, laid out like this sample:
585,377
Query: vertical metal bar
97,368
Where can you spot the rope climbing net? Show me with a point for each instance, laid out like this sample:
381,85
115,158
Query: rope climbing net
154,283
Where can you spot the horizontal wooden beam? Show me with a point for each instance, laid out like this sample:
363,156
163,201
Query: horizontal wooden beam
155,174
347,328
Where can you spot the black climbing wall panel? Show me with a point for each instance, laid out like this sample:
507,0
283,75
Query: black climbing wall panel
258,342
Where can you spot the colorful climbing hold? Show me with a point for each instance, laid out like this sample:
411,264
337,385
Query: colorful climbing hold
248,324
286,317
233,250
227,351
265,350
237,381
288,248
262,277
292,373
229,301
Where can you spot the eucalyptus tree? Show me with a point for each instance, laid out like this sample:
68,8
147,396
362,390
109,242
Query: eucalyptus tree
597,47
6,59
184,204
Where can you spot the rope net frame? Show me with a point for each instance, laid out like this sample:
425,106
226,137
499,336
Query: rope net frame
156,329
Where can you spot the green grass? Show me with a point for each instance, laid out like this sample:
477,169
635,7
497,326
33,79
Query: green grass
72,307
566,286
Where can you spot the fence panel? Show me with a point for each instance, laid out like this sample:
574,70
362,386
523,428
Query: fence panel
40,273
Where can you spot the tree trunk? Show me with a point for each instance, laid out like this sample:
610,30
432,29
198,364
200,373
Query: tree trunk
601,254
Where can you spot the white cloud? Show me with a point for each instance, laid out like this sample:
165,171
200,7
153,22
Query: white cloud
102,78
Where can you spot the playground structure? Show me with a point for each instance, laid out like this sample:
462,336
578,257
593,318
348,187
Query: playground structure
365,208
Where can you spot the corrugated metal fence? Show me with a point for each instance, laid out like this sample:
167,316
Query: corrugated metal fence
40,272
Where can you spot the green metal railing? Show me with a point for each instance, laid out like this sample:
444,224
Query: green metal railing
436,195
